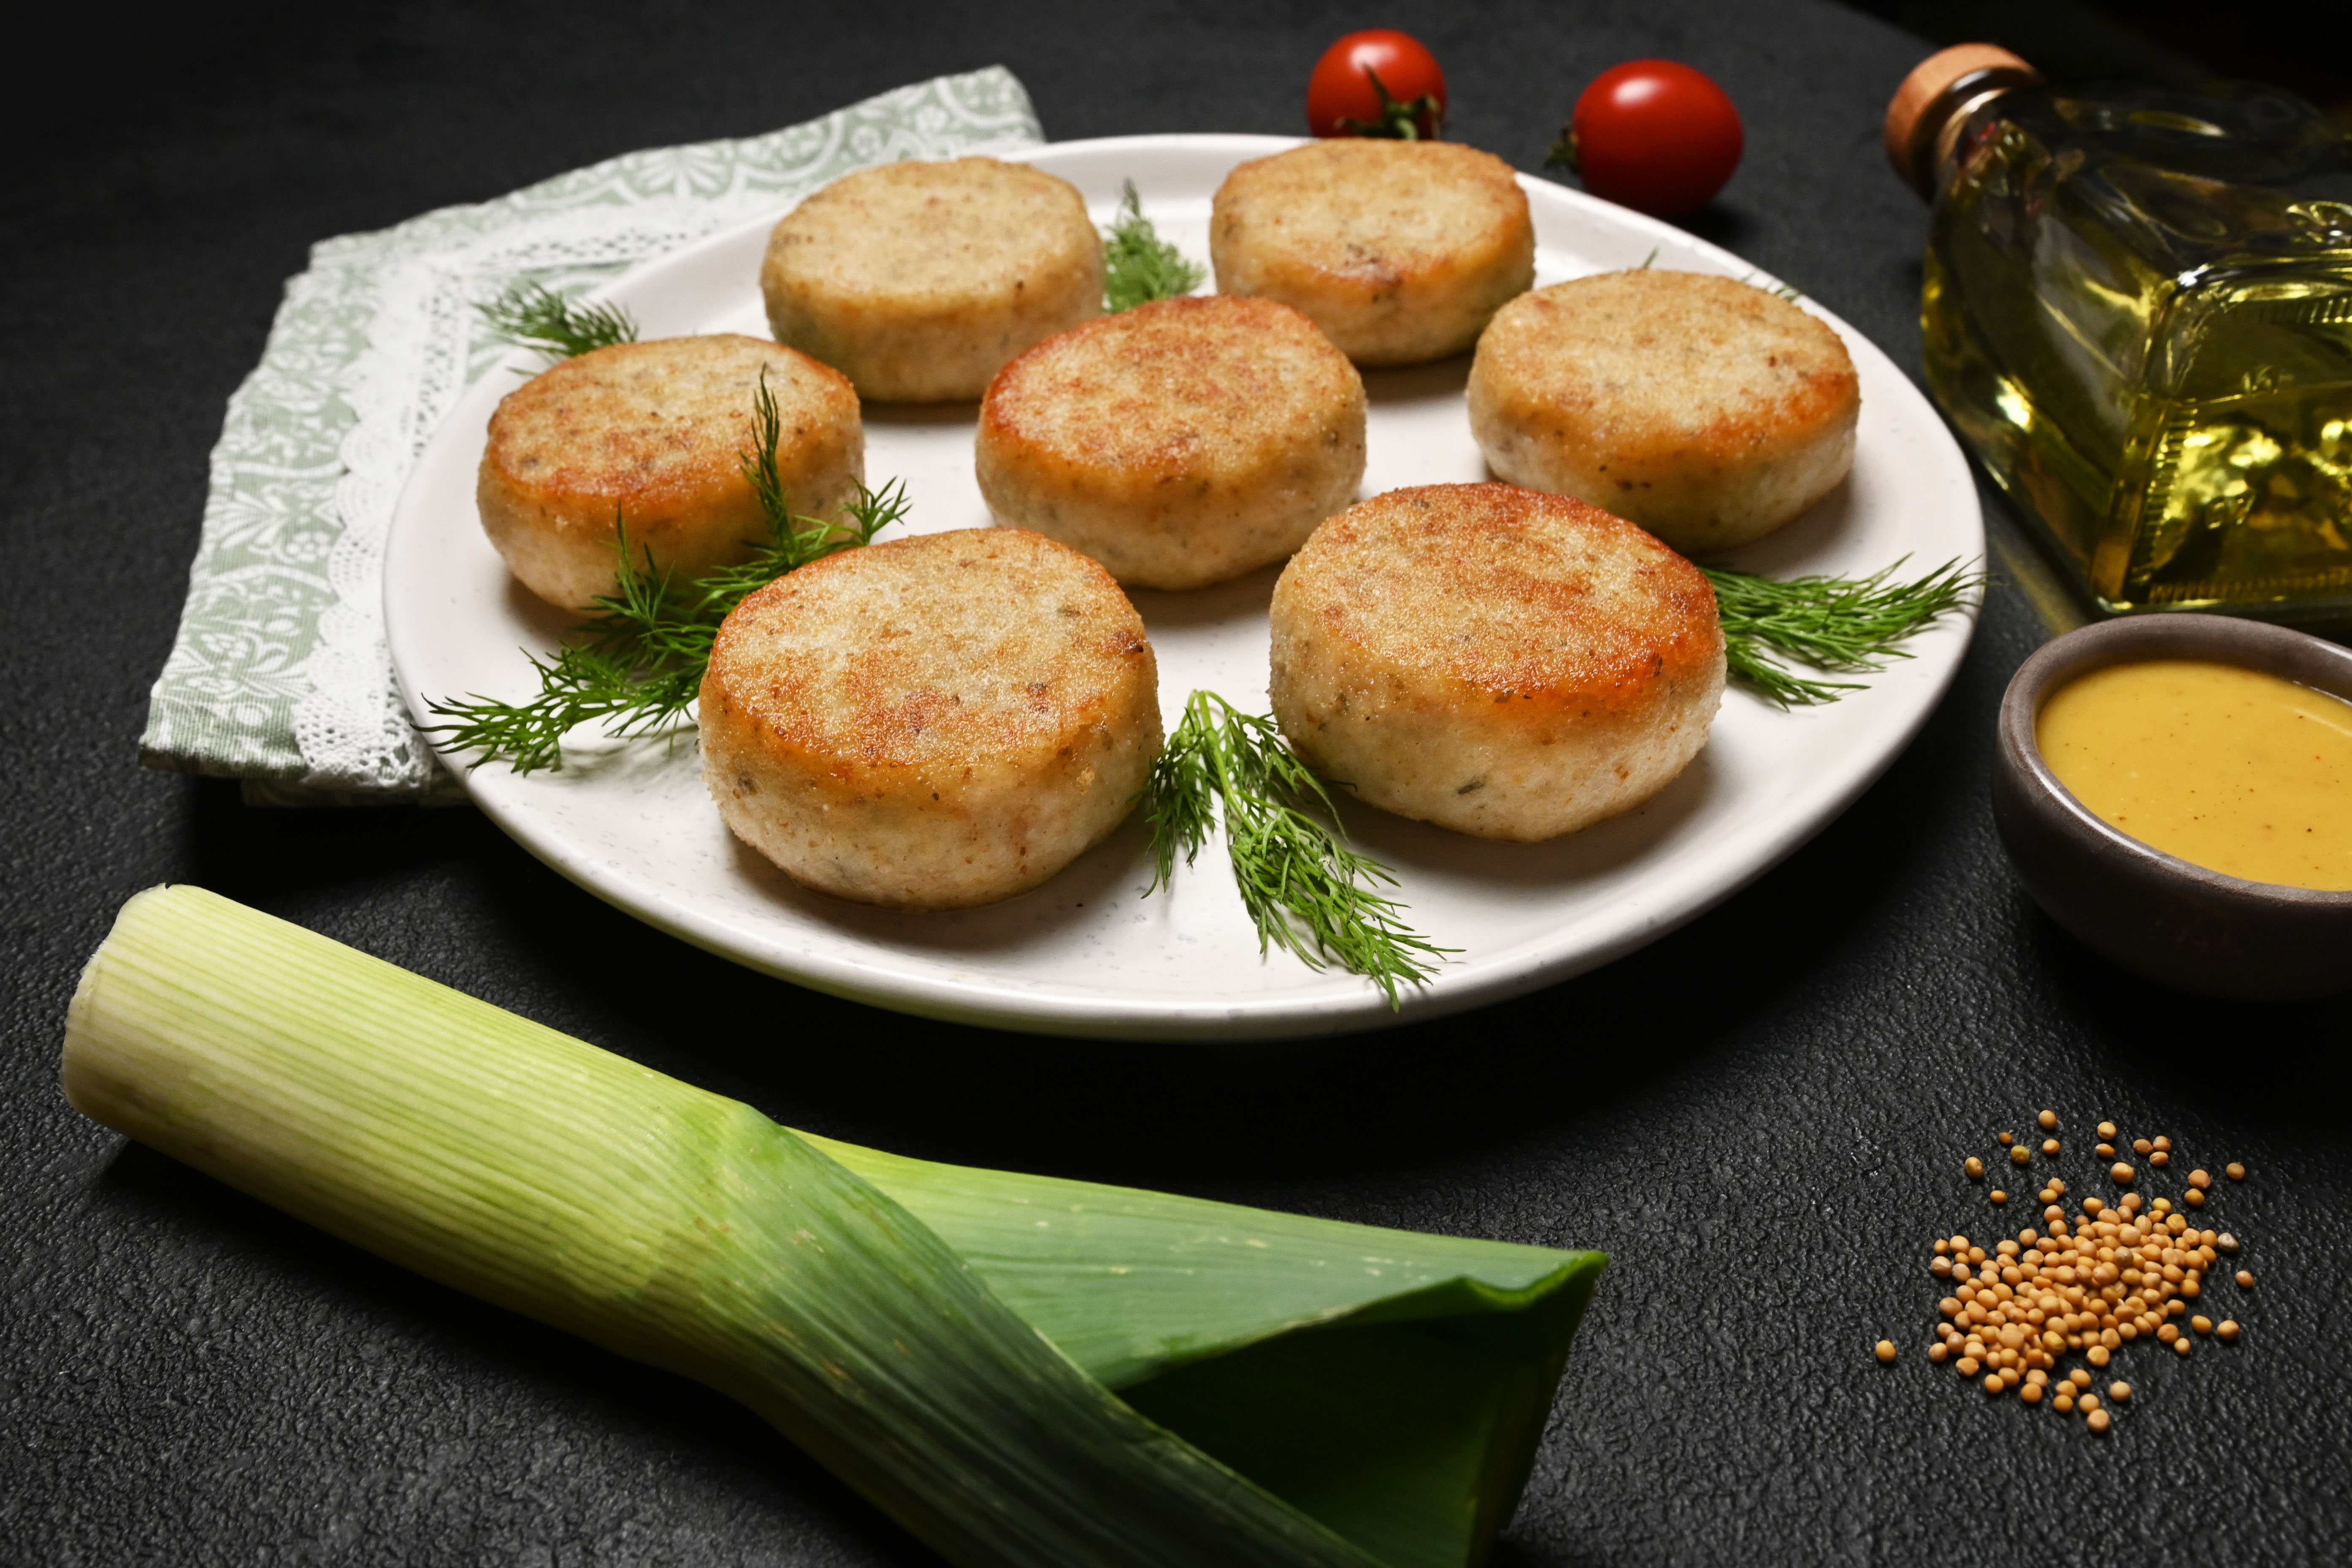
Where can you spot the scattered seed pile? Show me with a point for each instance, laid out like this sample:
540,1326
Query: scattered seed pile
2111,1275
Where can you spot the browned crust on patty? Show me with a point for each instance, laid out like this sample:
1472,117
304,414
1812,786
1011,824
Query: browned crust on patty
655,432
920,280
1180,443
1495,660
1707,410
1399,251
931,722
1507,593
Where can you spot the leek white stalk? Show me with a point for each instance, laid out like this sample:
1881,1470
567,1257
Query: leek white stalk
948,1341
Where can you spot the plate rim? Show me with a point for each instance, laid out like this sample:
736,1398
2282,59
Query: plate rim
974,997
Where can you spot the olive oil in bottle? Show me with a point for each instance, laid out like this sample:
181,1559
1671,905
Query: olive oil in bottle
2137,310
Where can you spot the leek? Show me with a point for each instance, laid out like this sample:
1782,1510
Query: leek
1020,1368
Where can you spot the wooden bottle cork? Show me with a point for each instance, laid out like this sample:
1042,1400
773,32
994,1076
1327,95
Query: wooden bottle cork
1939,89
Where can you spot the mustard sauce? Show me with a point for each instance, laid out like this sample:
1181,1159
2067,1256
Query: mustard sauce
2230,769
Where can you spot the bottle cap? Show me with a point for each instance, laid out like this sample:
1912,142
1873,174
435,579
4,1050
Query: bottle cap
1937,92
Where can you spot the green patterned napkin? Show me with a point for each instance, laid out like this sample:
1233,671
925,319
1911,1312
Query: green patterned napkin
280,676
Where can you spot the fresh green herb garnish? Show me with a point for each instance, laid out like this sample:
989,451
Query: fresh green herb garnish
1778,290
1305,890
1139,267
638,664
532,316
1837,625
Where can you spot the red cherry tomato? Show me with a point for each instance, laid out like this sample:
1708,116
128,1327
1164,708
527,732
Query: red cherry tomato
1377,83
1655,136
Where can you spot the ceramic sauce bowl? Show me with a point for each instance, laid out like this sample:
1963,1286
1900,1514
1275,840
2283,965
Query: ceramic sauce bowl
2154,914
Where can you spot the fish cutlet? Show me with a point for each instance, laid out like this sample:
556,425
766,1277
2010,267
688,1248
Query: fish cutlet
919,280
1708,411
1180,443
1502,662
934,722
654,435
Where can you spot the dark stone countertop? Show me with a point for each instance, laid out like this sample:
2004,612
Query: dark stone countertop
1762,1117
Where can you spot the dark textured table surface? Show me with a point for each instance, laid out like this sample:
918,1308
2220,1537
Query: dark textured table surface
1762,1117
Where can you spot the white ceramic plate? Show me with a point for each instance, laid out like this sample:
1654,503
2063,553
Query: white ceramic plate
1088,953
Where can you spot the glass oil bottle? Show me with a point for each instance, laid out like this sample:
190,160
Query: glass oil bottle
2137,310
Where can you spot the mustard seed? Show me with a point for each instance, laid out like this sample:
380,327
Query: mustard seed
1885,1351
2049,1145
2163,1142
2184,1344
2094,1207
2201,1323
1975,1167
2199,1179
2098,1355
2064,1404
1992,1383
2227,1243
2159,1159
2047,1119
1937,1354
2098,1420
1970,1366
2120,1392
2195,1199
2235,1171
2168,1332
2030,1393
2142,1146
1999,1196
2245,1280
2105,1150
2107,1130
2020,1155
2003,1139
2228,1331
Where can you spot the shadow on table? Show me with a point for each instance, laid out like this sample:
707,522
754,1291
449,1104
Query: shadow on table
204,1230
2283,1061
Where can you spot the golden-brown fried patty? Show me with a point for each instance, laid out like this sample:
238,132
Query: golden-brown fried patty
934,722
1401,251
1706,410
1178,443
919,280
655,432
1500,662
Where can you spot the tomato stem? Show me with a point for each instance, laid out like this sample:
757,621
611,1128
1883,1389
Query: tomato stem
1419,119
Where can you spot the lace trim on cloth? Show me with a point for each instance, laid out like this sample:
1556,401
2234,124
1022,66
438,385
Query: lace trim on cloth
280,675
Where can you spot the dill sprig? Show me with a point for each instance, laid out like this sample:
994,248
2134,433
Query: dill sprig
1788,291
532,316
638,664
1306,890
1836,625
1139,267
